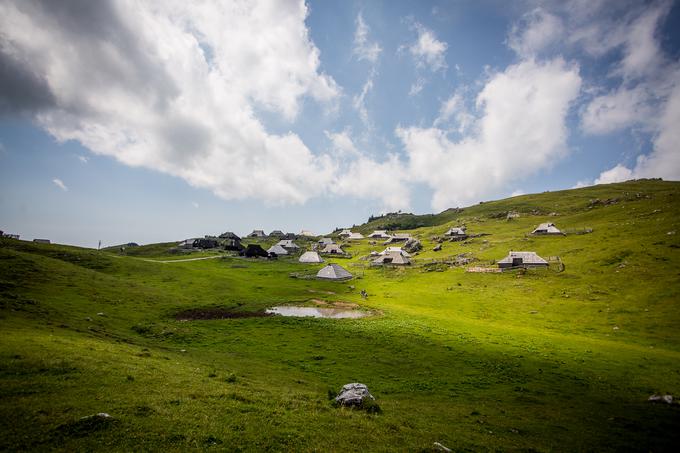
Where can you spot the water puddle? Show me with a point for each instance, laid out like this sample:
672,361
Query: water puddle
315,312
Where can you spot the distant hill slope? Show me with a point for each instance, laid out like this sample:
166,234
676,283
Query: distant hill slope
562,202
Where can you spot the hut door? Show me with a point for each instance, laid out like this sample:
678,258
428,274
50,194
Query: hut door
516,262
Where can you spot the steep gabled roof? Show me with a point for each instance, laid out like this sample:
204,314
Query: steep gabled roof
332,248
288,243
456,231
526,257
334,272
277,249
548,228
310,257
392,258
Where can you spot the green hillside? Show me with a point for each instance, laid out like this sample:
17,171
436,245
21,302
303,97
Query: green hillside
542,360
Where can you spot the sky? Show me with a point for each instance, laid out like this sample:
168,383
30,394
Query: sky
149,121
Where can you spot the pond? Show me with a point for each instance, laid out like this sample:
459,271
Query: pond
314,312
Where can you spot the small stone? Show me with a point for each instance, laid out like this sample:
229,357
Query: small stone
533,312
615,328
101,314
666,399
182,350
88,319
353,394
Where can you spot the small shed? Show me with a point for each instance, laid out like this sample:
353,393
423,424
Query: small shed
334,272
41,241
522,259
344,233
398,237
310,257
307,233
229,235
325,241
379,234
394,258
232,244
206,243
277,250
547,229
257,234
277,234
395,250
456,233
355,236
253,251
288,244
333,249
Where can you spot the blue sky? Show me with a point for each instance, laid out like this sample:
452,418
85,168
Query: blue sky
156,121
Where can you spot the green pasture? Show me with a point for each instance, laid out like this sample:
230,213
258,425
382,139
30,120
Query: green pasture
519,361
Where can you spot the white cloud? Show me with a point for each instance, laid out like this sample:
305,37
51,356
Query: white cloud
194,204
537,30
359,101
520,131
417,87
427,50
616,174
82,159
363,49
59,183
647,97
174,87
384,181
454,111
581,184
342,143
617,110
517,193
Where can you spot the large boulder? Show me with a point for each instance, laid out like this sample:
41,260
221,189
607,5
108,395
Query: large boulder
354,394
413,245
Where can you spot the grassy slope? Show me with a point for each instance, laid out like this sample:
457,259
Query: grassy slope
475,361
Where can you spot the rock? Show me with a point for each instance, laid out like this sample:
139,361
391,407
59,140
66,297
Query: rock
101,314
88,319
437,248
667,399
353,395
439,447
413,245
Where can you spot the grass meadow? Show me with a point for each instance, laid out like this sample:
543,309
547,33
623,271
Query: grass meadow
517,361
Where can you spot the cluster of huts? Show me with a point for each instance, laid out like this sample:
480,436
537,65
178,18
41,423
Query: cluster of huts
395,254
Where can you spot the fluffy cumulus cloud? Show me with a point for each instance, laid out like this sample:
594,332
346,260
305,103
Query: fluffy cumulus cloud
172,86
647,96
520,129
536,31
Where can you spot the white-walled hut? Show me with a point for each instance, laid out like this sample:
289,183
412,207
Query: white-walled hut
522,259
334,272
547,229
288,244
277,250
325,241
394,258
395,250
333,249
456,233
310,257
379,234
344,233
